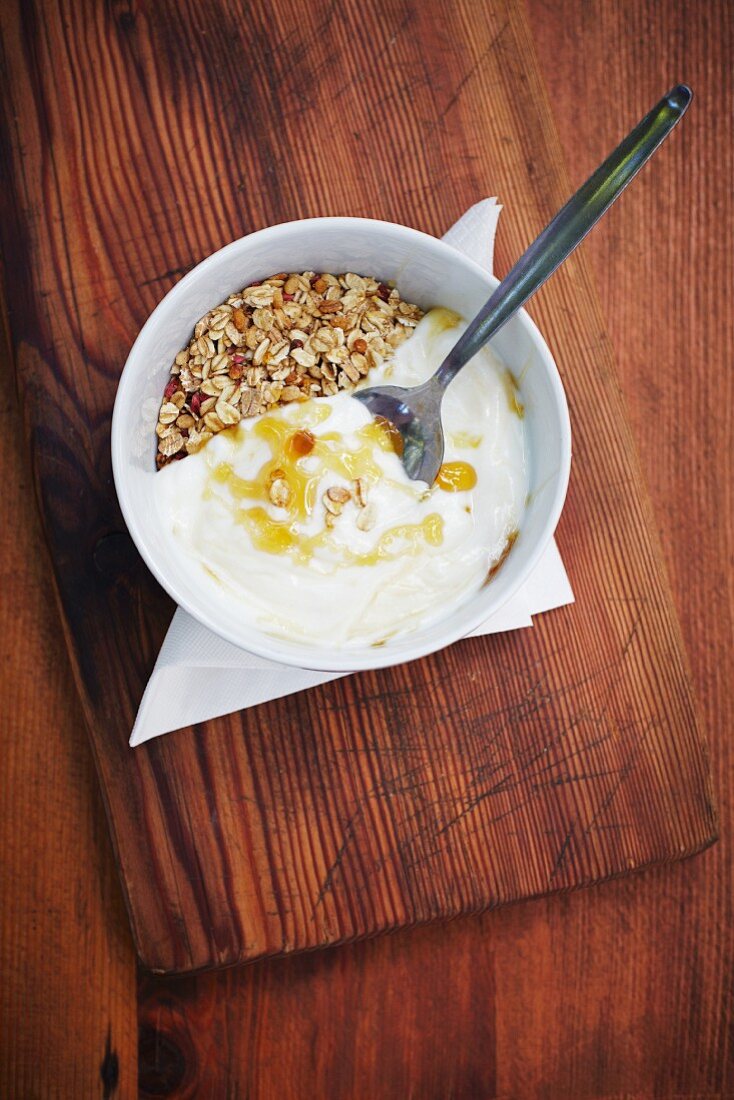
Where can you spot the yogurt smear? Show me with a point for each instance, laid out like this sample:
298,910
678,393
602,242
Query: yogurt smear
406,560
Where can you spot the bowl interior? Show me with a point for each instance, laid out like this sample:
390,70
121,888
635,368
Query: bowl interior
427,272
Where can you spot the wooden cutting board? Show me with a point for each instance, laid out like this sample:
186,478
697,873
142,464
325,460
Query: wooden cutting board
138,137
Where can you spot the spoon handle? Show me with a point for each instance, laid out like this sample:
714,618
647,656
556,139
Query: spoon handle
568,228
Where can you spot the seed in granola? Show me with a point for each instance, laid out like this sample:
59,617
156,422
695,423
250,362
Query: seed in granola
168,413
250,402
320,284
227,413
334,507
303,358
279,492
360,491
366,518
240,321
260,351
170,444
338,494
263,318
196,441
252,338
220,363
212,422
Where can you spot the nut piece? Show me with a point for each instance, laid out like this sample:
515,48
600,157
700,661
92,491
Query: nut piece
279,492
366,518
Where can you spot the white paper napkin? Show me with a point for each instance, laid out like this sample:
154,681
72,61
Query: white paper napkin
199,676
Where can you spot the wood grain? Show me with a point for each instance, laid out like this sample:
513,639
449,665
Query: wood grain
624,990
499,769
68,1024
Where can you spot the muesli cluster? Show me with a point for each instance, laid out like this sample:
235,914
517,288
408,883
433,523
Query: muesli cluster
288,338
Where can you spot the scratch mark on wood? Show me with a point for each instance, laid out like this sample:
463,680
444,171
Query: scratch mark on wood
565,846
347,837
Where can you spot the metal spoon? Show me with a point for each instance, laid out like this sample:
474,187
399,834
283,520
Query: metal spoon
416,412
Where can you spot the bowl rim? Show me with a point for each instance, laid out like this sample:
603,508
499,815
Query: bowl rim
322,658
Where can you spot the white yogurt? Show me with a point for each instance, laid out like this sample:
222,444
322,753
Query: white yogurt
285,572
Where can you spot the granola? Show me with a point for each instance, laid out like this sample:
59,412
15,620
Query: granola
288,338
337,496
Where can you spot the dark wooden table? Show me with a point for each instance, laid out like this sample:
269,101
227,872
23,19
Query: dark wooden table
623,990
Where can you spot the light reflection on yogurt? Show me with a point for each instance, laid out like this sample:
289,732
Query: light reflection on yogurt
284,571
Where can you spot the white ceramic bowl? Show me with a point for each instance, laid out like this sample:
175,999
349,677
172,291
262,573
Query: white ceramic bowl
426,271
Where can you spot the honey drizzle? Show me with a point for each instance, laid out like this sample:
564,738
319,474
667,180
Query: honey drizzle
301,458
456,477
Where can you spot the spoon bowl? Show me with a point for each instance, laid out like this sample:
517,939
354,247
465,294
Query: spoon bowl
413,412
